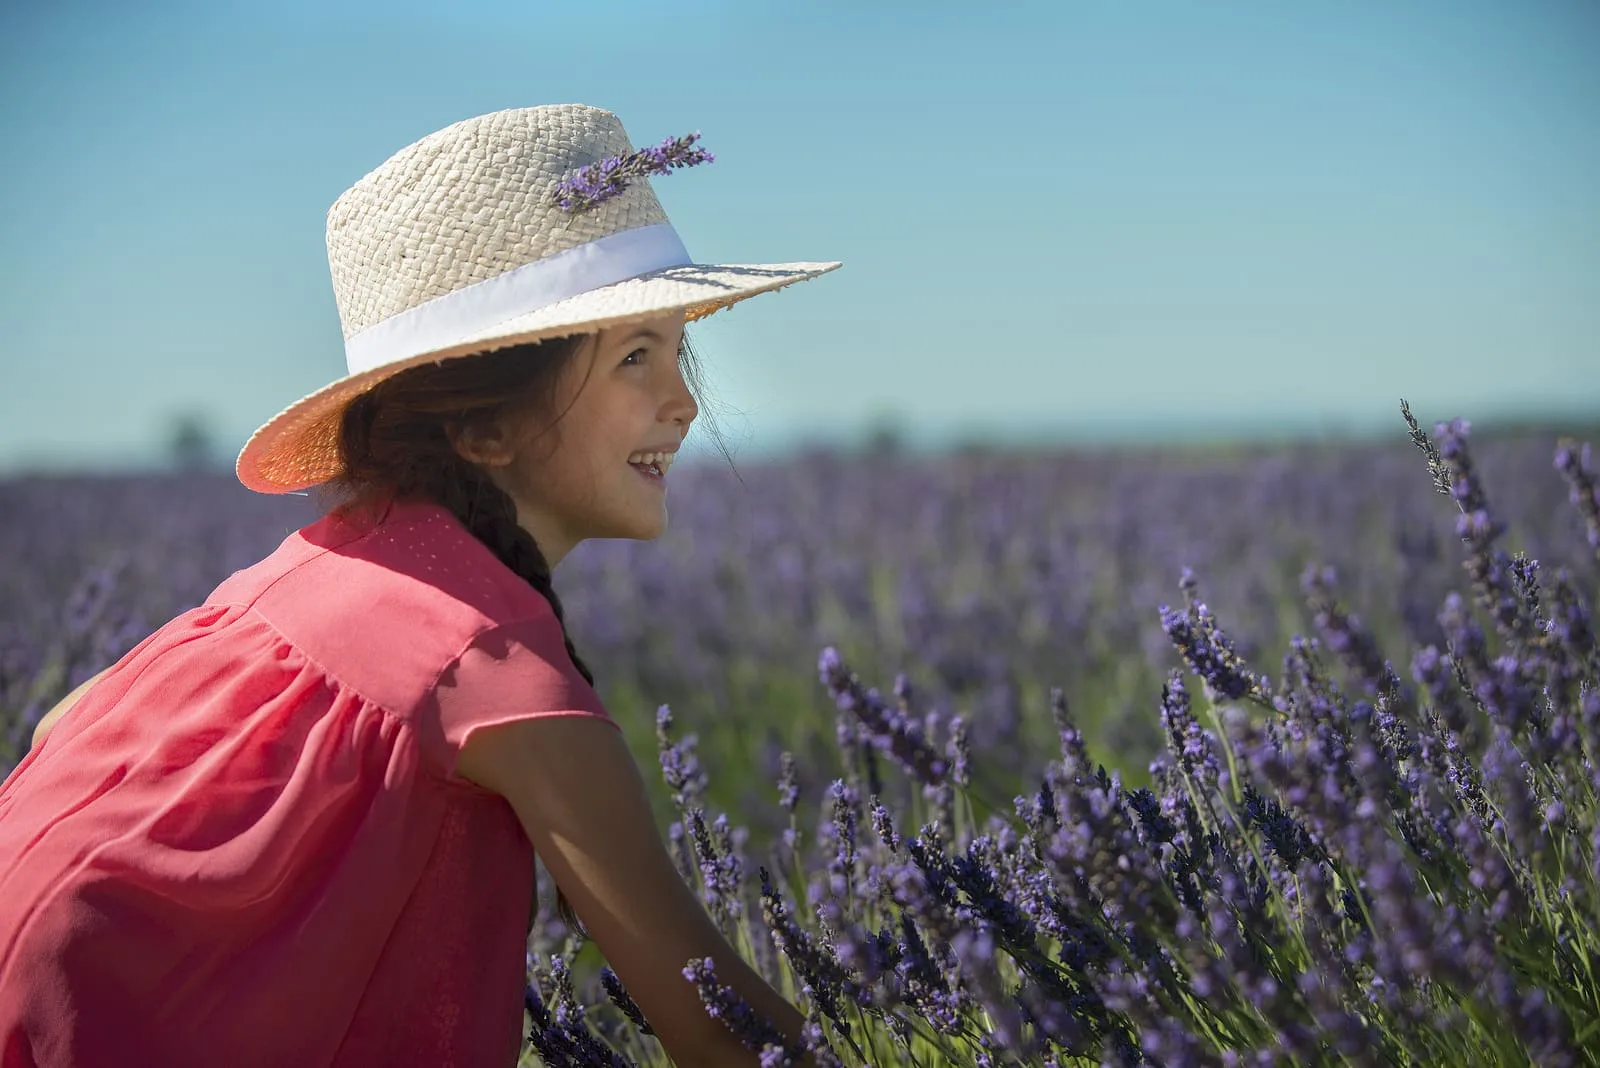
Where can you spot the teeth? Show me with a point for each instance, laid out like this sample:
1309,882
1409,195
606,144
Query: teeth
660,460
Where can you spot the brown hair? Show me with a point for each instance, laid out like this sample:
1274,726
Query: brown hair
395,441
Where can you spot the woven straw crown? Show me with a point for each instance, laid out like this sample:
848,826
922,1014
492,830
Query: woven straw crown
456,244
469,202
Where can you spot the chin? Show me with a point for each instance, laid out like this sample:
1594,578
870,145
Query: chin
641,530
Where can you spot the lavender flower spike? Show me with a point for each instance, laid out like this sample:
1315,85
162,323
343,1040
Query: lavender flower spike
1575,463
589,186
623,1000
723,1003
888,729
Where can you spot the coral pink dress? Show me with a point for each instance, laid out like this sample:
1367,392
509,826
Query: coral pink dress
247,844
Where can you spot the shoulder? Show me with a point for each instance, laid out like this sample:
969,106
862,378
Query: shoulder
405,602
424,552
523,664
508,677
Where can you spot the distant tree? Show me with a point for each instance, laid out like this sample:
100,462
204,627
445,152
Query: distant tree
885,437
189,442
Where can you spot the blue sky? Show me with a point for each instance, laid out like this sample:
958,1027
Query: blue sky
1073,219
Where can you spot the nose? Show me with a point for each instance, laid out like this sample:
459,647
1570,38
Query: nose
680,406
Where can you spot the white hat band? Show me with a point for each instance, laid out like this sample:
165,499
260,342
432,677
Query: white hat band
479,307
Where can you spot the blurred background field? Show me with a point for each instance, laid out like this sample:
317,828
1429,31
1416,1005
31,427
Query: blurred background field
984,577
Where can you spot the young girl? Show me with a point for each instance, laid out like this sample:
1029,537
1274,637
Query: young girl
296,825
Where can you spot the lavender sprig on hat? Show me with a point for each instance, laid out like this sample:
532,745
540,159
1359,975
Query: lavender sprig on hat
590,185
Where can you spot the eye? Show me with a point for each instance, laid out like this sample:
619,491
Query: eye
629,359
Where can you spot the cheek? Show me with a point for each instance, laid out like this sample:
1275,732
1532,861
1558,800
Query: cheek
589,462
578,474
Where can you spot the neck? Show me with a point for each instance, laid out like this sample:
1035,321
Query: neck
552,541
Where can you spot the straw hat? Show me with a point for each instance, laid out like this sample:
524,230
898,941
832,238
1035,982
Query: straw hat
457,244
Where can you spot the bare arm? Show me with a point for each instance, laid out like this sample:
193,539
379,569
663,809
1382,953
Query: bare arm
582,803
46,722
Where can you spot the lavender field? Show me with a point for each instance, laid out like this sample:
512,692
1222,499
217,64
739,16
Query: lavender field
986,580
1348,730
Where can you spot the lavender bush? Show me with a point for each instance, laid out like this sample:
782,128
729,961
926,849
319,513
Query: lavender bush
1369,858
987,579
984,578
1366,860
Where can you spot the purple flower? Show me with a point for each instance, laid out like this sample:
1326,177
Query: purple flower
563,1037
923,983
724,1004
1576,463
1283,834
976,876
1505,774
1344,635
959,751
591,185
1208,651
845,818
788,789
679,765
1190,746
1489,566
623,1000
1073,753
720,871
823,977
1436,672
883,824
889,730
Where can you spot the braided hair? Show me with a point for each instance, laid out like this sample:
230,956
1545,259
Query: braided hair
395,440
491,515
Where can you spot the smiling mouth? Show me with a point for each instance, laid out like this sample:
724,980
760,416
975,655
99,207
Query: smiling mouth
649,472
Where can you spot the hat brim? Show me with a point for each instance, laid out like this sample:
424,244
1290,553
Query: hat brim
298,448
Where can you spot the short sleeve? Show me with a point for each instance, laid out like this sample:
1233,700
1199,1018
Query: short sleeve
509,671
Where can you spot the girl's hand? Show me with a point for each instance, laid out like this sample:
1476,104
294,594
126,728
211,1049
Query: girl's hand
41,730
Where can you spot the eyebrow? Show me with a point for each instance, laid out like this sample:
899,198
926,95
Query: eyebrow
645,331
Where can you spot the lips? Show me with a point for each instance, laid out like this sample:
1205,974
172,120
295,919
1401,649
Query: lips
658,460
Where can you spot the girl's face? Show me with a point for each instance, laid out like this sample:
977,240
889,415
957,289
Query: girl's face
623,395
